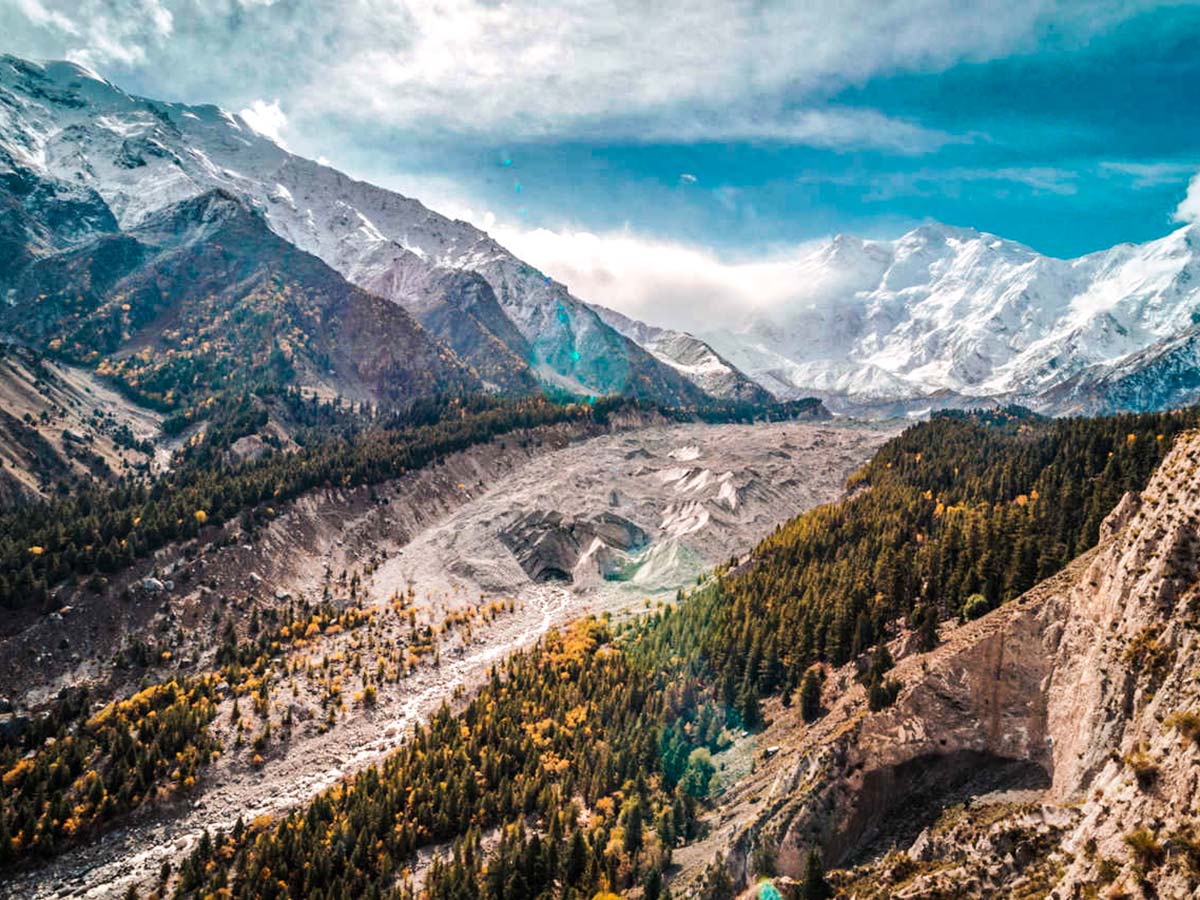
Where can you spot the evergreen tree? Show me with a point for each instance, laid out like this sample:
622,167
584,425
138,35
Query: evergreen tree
814,886
810,694
748,705
633,827
927,628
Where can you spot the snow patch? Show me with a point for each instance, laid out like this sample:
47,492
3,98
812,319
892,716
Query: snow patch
281,194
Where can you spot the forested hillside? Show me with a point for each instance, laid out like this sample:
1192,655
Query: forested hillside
100,530
950,519
560,750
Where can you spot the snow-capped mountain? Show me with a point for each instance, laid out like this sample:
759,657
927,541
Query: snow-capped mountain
690,356
940,316
63,124
945,313
1165,375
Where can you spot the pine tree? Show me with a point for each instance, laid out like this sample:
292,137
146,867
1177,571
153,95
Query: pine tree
810,694
652,889
633,828
927,630
748,704
814,886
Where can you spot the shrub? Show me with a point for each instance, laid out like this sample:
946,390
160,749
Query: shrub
1149,658
976,607
882,694
1145,847
1107,871
1186,723
700,770
1145,770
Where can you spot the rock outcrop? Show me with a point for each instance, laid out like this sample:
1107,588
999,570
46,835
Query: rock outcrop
553,547
1082,695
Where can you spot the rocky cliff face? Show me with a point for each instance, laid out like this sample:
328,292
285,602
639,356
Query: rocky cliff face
689,356
1049,748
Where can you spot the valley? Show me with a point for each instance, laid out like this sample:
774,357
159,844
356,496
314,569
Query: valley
695,495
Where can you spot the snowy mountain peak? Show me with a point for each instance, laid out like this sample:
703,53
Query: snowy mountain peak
60,124
68,71
957,313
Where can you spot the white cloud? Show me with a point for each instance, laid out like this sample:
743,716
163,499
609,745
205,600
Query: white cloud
160,17
1189,208
955,180
644,71
827,127
95,33
624,69
1147,175
661,282
39,15
267,119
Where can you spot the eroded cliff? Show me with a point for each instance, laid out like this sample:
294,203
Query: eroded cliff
1051,748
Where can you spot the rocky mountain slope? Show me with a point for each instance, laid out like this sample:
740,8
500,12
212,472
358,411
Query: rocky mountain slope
690,356
202,296
60,426
1048,749
76,138
946,312
1165,375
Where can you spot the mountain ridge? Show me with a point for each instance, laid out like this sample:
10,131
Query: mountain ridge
201,295
940,316
691,356
949,309
64,124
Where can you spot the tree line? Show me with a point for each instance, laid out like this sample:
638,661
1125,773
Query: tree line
101,530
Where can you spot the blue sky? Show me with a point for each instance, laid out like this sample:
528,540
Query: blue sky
733,130
1069,146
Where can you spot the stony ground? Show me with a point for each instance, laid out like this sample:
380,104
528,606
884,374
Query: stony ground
700,494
